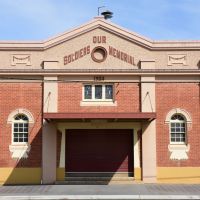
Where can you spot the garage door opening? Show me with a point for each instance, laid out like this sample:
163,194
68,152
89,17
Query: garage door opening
102,152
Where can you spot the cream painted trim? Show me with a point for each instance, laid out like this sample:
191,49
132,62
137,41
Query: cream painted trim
130,73
20,111
178,111
136,150
62,150
19,151
93,84
98,103
178,152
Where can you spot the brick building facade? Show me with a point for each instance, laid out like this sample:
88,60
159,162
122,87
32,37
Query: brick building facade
99,101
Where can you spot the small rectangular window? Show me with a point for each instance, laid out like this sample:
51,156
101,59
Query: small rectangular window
88,92
109,92
98,91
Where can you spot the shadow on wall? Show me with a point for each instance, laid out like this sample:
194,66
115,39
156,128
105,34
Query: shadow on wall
87,152
26,170
25,160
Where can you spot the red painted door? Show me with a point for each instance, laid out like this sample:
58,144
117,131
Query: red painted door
99,150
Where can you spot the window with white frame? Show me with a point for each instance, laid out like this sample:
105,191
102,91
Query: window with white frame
177,129
20,129
98,92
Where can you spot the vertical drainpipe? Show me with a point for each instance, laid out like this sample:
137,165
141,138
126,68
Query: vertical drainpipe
42,118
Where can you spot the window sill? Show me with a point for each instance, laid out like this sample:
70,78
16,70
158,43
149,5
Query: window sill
178,151
20,150
98,103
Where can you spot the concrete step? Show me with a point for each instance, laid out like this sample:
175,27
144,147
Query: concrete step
96,180
98,174
115,178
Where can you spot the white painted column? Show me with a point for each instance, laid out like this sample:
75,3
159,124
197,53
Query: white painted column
136,150
62,150
49,131
148,104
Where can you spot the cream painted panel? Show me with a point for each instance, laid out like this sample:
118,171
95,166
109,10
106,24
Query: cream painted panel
36,59
107,78
148,102
50,64
177,78
50,94
192,57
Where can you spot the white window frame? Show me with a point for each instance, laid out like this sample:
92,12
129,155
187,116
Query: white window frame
93,93
181,122
19,122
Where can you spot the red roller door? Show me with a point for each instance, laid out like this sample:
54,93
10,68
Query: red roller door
101,150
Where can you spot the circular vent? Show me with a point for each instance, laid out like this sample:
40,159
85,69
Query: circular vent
99,54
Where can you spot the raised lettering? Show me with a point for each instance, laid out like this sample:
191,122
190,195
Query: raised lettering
81,53
125,57
65,60
69,59
99,39
72,57
118,54
94,39
103,39
88,49
114,52
76,55
110,50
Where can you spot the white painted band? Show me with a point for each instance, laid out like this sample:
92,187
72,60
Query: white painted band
85,197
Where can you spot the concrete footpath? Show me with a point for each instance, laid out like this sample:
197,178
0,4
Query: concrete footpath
135,191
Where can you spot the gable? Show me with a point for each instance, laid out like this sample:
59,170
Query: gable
98,44
97,48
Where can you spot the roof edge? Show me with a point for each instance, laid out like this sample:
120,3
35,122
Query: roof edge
99,22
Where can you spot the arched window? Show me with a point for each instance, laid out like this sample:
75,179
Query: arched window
20,129
177,129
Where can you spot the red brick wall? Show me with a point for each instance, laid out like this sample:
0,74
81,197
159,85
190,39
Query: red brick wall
185,96
14,96
126,94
